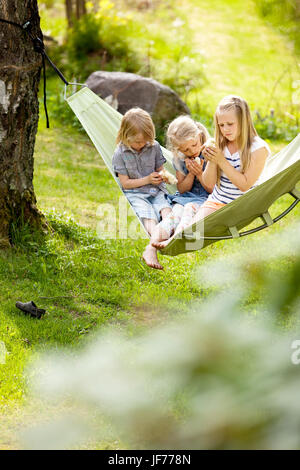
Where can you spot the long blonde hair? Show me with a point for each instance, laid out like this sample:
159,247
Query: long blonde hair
136,121
182,129
246,129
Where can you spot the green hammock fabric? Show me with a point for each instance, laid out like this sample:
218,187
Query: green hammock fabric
280,176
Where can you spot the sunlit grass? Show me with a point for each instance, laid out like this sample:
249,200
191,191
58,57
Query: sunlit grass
242,56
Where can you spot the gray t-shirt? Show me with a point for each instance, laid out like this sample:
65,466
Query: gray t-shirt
135,165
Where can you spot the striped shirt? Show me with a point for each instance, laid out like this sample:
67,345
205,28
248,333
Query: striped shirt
227,191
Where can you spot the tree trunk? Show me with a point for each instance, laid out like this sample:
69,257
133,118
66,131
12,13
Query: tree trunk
297,9
74,9
69,13
20,69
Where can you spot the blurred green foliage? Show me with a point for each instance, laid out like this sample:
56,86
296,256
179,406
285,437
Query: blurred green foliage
98,41
284,15
47,3
277,128
106,38
216,379
113,36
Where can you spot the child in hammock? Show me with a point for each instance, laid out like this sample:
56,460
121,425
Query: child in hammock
137,161
185,139
236,161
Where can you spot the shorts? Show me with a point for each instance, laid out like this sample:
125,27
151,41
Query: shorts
186,198
147,206
213,205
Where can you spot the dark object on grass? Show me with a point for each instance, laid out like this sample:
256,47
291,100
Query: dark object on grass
31,308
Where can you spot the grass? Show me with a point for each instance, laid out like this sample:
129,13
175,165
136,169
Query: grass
85,283
242,55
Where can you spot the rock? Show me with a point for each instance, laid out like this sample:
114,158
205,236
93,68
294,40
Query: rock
128,90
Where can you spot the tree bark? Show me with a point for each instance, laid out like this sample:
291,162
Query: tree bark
74,9
69,12
20,69
297,9
82,7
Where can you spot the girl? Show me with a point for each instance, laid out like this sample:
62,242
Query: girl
185,139
137,161
236,161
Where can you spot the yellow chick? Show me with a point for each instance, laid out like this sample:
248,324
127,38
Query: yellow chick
210,142
168,177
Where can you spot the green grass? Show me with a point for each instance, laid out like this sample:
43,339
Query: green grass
242,55
85,283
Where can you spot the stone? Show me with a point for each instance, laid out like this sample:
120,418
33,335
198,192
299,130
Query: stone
128,90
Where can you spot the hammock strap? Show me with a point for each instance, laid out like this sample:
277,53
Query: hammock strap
39,47
266,217
296,193
234,232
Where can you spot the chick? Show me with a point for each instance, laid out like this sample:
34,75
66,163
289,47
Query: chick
168,177
210,142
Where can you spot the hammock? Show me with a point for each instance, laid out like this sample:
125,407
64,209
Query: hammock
280,176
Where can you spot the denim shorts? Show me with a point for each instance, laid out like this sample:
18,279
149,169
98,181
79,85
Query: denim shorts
147,206
185,198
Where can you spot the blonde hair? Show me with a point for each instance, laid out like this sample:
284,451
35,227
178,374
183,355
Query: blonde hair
182,129
246,129
136,121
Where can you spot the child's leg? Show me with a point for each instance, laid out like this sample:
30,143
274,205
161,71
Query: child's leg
189,212
166,227
150,225
165,212
203,212
144,210
162,231
188,219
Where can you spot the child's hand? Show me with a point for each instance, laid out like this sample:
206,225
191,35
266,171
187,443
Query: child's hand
214,155
155,178
193,167
168,177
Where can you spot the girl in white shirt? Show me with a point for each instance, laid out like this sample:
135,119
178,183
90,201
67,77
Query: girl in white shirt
235,162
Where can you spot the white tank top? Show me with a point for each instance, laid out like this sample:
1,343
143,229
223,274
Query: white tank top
228,192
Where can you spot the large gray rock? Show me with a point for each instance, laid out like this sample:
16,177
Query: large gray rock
127,90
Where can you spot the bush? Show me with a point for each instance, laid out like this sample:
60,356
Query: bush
109,40
285,15
100,41
281,128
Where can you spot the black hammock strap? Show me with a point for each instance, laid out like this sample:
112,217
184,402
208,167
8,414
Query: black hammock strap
38,45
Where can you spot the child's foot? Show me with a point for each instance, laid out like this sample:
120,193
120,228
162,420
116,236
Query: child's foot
161,244
150,257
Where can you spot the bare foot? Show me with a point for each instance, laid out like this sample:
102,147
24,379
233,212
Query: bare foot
161,244
150,257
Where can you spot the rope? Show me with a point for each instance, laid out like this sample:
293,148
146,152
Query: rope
39,47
